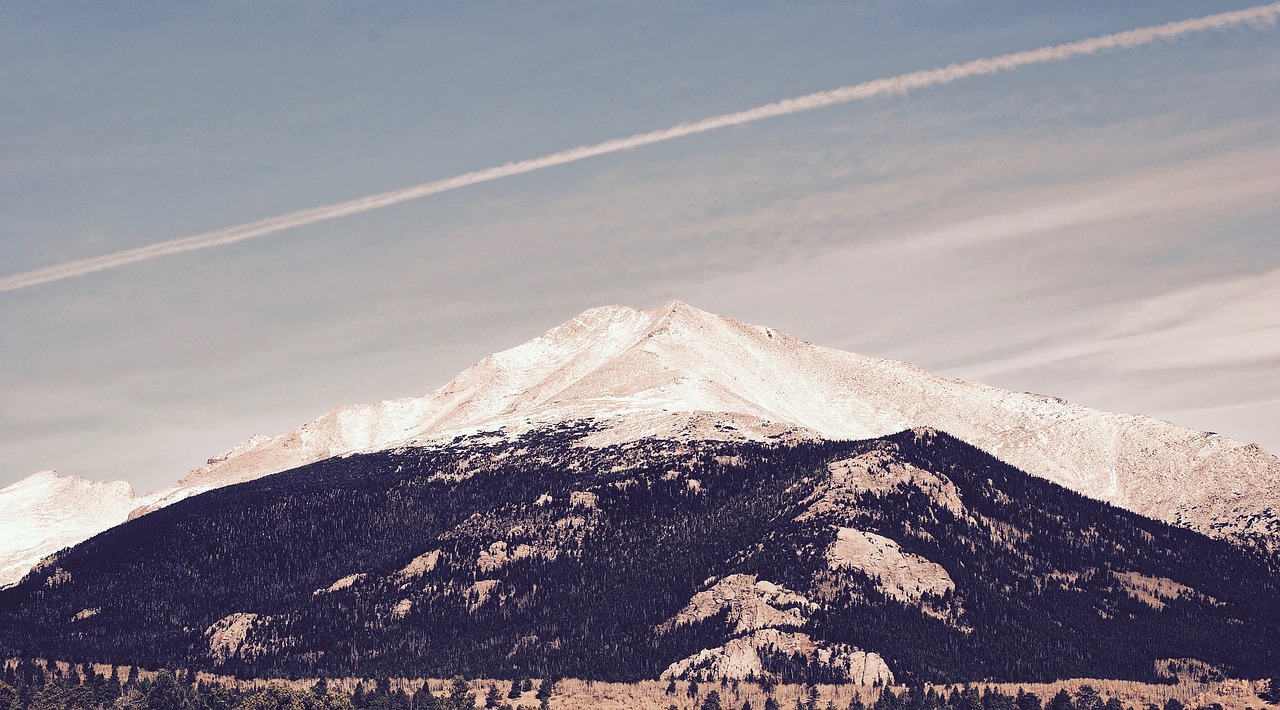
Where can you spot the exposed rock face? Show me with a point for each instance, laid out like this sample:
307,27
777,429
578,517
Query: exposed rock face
499,554
879,472
763,615
751,605
343,583
227,635
420,565
900,575
741,658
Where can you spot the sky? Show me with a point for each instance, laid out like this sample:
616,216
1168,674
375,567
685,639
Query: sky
1104,228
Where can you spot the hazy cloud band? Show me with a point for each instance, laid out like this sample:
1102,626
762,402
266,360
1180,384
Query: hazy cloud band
1260,16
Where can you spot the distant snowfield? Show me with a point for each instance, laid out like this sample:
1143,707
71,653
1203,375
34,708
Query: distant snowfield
46,512
679,372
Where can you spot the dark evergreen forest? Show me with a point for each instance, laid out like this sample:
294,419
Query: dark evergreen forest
617,540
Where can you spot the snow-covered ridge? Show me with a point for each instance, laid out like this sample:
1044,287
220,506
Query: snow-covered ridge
680,372
46,512
665,371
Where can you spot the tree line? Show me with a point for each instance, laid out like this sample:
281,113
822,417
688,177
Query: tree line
31,685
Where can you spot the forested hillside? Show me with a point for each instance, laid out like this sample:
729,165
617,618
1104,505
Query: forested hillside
502,558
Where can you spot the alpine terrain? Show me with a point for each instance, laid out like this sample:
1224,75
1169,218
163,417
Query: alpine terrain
671,493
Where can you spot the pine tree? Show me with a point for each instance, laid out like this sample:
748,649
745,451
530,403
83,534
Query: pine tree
165,693
1027,701
1062,701
460,696
515,689
1087,698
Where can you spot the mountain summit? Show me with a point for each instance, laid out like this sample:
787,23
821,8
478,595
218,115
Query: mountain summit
680,372
677,372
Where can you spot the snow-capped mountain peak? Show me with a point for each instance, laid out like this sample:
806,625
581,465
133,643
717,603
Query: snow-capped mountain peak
679,372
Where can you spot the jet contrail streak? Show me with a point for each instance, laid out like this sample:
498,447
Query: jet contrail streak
1260,16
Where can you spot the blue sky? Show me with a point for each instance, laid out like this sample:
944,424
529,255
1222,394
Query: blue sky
1102,229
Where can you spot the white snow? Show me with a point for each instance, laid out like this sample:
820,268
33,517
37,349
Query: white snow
45,512
682,373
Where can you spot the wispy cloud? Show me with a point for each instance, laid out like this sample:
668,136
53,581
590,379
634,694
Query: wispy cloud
1262,16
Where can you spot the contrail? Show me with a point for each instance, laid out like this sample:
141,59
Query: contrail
1261,16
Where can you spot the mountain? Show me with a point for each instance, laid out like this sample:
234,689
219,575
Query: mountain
682,373
913,557
46,512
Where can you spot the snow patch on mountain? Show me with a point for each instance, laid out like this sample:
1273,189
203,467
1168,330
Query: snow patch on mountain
46,512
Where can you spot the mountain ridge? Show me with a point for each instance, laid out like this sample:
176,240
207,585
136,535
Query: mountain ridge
676,369
679,372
